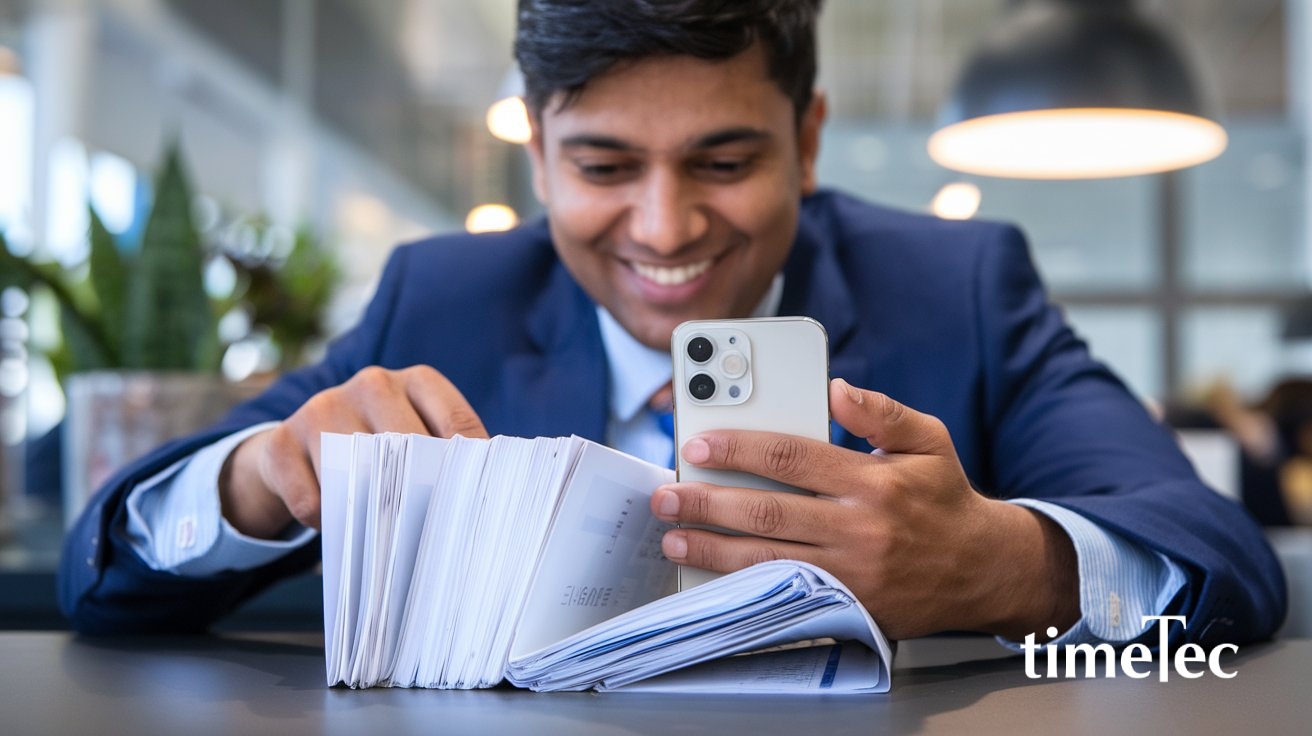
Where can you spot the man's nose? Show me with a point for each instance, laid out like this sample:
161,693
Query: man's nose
666,214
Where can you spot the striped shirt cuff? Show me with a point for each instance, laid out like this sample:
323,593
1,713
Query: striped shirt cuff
1120,581
175,524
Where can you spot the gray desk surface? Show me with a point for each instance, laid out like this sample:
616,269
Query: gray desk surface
273,683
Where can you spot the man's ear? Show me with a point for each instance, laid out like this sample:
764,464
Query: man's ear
808,138
537,157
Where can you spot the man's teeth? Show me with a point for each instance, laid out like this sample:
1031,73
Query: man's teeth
672,276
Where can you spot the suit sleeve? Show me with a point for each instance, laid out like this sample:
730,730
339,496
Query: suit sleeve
104,587
1065,430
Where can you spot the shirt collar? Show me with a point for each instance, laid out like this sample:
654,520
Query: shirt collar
637,371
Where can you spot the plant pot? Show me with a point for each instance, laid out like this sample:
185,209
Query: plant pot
115,417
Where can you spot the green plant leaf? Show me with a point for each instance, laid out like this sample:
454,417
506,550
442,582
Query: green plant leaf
83,332
82,350
13,270
170,325
110,280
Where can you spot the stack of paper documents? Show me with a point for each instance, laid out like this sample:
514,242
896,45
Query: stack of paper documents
759,608
444,560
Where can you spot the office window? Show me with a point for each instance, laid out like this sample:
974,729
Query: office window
1242,213
1241,344
1127,339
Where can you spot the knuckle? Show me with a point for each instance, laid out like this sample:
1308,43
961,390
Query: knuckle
369,374
887,547
892,411
421,371
784,457
765,515
371,382
724,450
937,430
880,546
283,441
762,553
696,505
304,507
462,420
702,552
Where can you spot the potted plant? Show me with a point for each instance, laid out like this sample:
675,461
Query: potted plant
140,355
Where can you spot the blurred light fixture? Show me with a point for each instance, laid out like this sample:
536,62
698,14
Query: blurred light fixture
9,63
490,218
1075,89
363,216
508,120
958,200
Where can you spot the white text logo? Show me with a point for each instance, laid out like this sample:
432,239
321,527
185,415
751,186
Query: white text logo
1130,656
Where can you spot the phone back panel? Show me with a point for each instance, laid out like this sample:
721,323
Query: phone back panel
787,391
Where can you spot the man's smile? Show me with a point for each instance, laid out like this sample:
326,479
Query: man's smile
671,275
670,285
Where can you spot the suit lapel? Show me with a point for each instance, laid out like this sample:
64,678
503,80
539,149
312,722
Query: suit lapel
559,386
814,287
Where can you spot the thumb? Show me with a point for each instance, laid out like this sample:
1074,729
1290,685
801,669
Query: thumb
886,424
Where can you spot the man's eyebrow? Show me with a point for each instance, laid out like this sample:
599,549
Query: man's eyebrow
731,135
710,140
590,140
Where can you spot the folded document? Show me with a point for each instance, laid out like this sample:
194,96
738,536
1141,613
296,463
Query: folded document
459,563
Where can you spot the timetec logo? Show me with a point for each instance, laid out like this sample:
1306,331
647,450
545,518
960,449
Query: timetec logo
1186,655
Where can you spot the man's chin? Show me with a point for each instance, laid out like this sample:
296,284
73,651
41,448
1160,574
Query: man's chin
655,332
654,327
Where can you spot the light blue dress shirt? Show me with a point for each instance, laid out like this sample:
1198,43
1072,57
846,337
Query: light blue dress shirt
175,524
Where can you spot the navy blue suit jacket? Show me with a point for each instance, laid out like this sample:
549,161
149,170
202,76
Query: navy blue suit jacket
947,317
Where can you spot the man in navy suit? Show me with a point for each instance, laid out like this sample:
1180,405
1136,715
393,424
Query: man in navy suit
1016,486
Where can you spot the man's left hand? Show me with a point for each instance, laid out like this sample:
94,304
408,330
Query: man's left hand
901,527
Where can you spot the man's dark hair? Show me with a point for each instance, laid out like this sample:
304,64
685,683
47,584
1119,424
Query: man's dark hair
561,45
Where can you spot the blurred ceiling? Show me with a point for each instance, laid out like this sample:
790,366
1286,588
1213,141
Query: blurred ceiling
880,58
409,80
895,60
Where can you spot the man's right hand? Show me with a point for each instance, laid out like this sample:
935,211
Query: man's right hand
273,477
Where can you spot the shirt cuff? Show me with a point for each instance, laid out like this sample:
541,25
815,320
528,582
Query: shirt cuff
1120,581
175,524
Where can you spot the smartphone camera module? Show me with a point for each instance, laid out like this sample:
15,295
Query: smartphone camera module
700,349
702,387
713,365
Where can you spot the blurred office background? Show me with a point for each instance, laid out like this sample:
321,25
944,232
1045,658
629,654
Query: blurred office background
363,123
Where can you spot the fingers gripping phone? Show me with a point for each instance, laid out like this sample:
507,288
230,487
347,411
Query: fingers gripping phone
767,374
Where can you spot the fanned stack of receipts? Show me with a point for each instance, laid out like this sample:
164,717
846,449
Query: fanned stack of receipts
459,563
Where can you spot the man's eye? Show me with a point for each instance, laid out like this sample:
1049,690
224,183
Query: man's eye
603,172
725,168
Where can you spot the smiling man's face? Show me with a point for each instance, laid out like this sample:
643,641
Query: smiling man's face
673,186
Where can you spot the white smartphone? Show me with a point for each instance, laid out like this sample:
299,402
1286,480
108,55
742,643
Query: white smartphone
768,374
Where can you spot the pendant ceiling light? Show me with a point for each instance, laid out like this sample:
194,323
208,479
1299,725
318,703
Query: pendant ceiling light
1075,89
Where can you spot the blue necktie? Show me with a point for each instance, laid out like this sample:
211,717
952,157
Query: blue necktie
661,407
666,421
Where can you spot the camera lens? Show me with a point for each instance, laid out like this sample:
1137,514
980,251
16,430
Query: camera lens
700,350
702,387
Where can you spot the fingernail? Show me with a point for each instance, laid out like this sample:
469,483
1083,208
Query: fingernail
696,451
674,545
852,394
667,503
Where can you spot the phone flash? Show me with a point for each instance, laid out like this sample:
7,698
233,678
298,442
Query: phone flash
734,364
